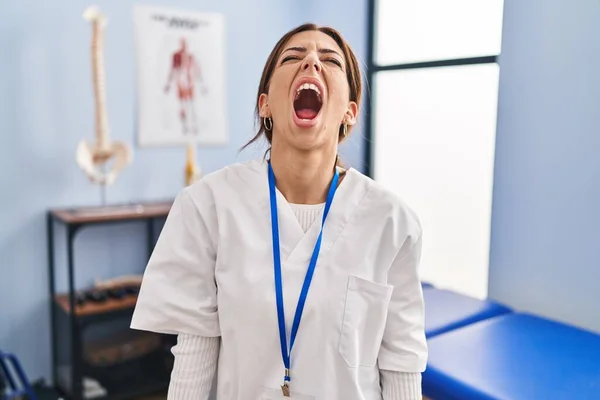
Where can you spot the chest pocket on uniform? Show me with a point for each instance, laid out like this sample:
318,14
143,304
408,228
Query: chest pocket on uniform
365,314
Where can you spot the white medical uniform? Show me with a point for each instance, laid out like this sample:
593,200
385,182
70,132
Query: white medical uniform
211,274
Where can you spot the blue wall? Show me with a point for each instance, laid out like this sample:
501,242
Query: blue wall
545,253
46,109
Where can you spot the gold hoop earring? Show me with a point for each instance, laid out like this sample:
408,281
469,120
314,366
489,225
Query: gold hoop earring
270,125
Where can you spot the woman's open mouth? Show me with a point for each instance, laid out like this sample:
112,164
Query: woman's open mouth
308,101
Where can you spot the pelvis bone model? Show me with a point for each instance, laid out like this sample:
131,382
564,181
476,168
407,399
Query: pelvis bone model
94,158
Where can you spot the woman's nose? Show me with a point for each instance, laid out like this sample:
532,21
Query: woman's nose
311,62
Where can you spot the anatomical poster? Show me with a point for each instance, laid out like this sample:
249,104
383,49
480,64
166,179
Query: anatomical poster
180,66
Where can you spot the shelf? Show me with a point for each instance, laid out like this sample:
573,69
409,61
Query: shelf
118,212
91,308
123,380
89,354
118,348
146,379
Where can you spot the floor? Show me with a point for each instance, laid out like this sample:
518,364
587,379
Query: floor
158,396
164,396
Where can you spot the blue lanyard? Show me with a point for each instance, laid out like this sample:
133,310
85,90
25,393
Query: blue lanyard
309,273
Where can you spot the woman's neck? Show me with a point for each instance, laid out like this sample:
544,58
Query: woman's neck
303,177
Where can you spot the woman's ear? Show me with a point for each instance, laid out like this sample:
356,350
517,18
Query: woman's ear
351,114
263,106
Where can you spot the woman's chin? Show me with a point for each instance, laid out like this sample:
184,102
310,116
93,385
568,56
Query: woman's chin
306,139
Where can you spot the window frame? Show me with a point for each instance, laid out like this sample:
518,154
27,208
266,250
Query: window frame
373,69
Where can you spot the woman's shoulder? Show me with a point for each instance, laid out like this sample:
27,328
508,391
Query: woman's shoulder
233,180
230,174
386,203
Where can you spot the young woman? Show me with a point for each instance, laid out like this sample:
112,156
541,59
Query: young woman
297,278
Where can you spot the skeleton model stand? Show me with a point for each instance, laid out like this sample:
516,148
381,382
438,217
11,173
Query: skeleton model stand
94,158
192,171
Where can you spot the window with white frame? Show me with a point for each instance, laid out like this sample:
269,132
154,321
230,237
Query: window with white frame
434,88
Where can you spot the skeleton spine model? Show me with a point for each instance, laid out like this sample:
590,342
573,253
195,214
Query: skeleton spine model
92,157
99,80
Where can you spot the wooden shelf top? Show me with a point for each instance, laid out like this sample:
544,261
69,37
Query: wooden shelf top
91,308
119,212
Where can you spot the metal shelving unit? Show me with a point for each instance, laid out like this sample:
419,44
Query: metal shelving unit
124,364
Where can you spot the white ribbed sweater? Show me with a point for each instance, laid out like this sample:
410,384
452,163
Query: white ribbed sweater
196,357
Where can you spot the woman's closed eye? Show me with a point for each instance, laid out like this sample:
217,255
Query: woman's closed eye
334,61
288,58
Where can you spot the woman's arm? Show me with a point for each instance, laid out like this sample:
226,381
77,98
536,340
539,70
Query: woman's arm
179,289
178,295
403,353
195,367
401,385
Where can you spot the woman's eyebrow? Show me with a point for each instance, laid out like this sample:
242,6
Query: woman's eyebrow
303,50
296,48
329,51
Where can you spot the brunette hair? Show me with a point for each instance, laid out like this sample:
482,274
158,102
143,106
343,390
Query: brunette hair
352,74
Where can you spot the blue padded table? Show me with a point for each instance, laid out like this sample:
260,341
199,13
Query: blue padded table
446,310
514,356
